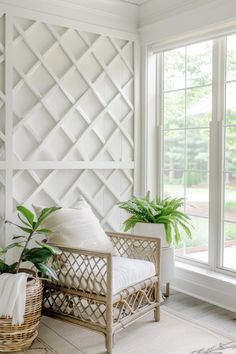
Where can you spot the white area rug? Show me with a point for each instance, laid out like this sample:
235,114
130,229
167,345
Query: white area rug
174,334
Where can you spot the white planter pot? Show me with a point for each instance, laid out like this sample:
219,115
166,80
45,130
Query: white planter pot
167,252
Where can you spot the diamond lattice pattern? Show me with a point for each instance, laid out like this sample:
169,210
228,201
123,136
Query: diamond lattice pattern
73,94
101,189
2,87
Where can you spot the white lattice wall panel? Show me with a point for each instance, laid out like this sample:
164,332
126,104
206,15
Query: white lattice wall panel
2,203
101,188
73,94
67,97
2,87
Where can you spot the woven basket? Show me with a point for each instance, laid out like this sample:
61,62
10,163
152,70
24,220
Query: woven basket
16,338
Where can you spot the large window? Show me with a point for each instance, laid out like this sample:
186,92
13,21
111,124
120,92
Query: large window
198,129
229,171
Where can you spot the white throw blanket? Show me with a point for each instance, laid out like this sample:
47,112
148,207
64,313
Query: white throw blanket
13,296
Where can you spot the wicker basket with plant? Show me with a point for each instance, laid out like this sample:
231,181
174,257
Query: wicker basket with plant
17,337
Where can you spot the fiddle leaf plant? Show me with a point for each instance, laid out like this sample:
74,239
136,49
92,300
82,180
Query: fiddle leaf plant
38,255
158,211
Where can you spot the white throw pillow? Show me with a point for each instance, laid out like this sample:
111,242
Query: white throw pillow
76,227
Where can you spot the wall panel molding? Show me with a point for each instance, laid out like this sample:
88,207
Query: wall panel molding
69,123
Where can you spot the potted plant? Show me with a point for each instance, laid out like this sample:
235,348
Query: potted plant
159,218
17,337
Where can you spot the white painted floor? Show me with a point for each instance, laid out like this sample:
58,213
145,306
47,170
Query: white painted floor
57,337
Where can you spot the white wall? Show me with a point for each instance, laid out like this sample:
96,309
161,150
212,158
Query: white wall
67,107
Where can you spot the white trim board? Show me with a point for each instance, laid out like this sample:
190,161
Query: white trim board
215,288
196,24
154,11
192,37
123,18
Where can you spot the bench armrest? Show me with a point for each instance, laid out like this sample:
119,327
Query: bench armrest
84,270
137,247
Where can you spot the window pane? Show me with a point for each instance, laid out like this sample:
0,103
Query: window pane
174,69
229,219
173,184
230,148
230,245
231,103
197,247
230,197
187,113
231,58
174,109
174,149
197,194
199,106
197,143
199,64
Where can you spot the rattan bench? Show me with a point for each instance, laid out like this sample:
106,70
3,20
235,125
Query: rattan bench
87,299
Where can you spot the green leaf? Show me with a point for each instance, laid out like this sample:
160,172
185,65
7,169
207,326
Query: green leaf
26,213
5,268
46,270
12,266
186,229
168,233
12,245
17,237
54,250
147,197
26,229
23,221
43,231
37,255
44,214
177,233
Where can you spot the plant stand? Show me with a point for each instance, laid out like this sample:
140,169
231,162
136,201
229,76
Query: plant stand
15,338
167,252
166,294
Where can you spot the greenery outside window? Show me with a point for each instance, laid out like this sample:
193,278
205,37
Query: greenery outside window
198,135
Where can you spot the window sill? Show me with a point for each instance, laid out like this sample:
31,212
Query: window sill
206,272
213,287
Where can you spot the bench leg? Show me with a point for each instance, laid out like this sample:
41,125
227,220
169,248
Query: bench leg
109,342
157,300
157,314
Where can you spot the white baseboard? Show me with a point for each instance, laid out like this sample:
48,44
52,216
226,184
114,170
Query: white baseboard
215,288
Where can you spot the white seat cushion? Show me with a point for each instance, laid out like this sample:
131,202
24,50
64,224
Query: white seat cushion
125,272
76,227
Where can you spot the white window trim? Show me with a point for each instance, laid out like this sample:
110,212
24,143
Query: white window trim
153,121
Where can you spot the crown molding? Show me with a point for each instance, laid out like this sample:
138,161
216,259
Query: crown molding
206,21
205,33
116,15
153,11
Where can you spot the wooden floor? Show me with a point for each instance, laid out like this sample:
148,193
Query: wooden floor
56,337
208,314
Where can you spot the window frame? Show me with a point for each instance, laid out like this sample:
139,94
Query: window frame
216,155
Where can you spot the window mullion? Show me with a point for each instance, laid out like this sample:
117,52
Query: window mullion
160,117
216,155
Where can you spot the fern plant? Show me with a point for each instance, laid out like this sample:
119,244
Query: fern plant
157,211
